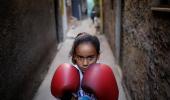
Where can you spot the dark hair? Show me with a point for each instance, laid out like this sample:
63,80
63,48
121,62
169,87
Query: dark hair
84,38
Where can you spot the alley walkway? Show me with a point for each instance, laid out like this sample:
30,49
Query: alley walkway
62,56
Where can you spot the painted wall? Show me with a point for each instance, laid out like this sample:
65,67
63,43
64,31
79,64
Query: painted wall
109,22
27,46
76,9
90,4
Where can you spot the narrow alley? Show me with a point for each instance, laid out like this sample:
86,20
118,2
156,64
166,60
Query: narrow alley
36,36
63,57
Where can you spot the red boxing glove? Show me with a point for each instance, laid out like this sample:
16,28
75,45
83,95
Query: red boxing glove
66,80
99,80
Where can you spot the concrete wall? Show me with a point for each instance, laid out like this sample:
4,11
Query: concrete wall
145,51
27,42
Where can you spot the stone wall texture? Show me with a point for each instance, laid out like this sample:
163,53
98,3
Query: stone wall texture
145,48
145,56
27,41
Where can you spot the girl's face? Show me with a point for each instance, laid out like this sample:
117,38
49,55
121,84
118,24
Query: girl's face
85,54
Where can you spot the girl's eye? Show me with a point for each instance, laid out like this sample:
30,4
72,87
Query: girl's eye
91,58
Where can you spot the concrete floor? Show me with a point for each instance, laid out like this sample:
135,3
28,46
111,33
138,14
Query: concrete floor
62,56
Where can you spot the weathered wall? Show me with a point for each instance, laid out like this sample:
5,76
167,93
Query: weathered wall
27,40
145,51
109,21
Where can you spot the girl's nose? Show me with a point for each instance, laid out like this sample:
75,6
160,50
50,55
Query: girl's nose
85,62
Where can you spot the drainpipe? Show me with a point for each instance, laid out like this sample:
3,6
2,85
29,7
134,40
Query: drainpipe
118,29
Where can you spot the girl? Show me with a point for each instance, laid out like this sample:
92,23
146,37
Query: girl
85,51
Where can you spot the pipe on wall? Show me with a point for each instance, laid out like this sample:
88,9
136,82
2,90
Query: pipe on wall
118,28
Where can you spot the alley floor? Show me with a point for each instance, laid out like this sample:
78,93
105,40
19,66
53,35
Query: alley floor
62,56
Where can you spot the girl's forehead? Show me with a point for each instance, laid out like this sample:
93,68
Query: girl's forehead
86,49
85,45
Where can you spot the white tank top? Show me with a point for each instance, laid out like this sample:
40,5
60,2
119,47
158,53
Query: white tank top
80,93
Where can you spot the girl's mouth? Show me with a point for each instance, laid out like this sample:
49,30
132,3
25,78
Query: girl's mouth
83,69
